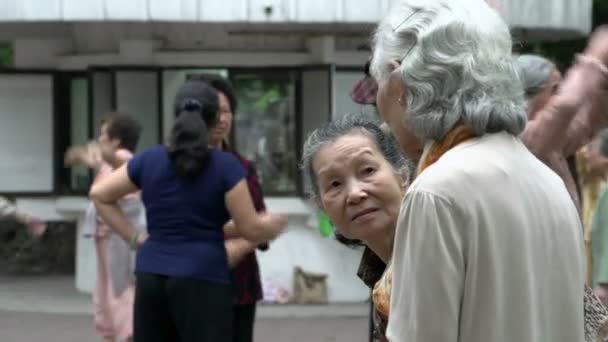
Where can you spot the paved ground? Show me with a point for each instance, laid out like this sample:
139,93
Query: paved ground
49,309
34,327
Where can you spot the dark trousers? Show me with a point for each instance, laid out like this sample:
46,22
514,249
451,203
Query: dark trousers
244,318
169,309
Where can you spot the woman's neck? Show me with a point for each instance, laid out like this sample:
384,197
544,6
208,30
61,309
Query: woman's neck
217,144
382,245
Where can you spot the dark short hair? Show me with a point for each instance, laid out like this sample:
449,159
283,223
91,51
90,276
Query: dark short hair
222,85
123,127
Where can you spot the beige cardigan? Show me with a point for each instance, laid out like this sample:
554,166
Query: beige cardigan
488,247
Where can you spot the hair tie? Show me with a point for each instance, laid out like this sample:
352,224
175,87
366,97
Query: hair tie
192,105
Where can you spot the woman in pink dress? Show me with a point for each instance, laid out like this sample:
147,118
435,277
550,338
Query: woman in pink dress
117,141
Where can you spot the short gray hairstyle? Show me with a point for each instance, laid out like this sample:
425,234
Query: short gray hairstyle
534,72
456,64
347,125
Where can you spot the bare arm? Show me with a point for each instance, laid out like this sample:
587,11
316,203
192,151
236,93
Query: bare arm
248,223
88,155
551,130
588,122
105,195
230,231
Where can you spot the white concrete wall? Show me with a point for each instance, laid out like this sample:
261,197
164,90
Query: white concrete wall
301,245
531,14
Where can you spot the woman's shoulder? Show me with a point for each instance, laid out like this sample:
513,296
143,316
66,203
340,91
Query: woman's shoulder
224,157
153,151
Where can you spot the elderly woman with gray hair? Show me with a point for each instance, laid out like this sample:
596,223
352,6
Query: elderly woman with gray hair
358,176
565,114
483,223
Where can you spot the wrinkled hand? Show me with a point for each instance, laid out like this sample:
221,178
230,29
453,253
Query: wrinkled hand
598,44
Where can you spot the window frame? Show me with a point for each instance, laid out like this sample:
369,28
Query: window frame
62,116
297,121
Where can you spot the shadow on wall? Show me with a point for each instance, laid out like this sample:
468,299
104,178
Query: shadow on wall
22,254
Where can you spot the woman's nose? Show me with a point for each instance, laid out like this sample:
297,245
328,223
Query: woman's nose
356,193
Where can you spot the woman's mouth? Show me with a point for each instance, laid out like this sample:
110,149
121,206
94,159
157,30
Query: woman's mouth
363,213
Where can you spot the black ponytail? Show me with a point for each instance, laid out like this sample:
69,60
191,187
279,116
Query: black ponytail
196,107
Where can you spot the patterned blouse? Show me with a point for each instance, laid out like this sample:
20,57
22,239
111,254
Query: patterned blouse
246,275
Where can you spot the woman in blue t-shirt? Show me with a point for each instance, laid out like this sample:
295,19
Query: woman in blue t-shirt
190,192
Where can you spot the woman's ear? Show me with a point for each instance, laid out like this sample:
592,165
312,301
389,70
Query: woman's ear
404,177
393,65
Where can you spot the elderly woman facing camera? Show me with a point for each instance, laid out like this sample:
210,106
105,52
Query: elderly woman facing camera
358,176
483,223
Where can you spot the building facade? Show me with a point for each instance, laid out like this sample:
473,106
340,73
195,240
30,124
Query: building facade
293,63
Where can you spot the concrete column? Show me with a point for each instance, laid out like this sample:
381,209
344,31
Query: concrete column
138,51
322,49
40,53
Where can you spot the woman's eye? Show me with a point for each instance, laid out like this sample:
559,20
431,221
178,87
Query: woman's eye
334,184
368,170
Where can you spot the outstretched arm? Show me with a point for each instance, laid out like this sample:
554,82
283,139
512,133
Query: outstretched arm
568,120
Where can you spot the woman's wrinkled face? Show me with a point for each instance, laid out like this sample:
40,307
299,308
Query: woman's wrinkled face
390,100
221,130
540,100
358,188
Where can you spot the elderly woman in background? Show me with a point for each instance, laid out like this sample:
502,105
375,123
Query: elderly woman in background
358,177
470,260
566,114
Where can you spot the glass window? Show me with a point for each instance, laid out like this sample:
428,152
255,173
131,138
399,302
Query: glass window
137,94
265,126
344,81
80,176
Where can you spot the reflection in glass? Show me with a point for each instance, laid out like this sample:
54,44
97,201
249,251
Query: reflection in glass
265,128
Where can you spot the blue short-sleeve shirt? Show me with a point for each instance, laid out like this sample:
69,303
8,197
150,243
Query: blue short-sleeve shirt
185,216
